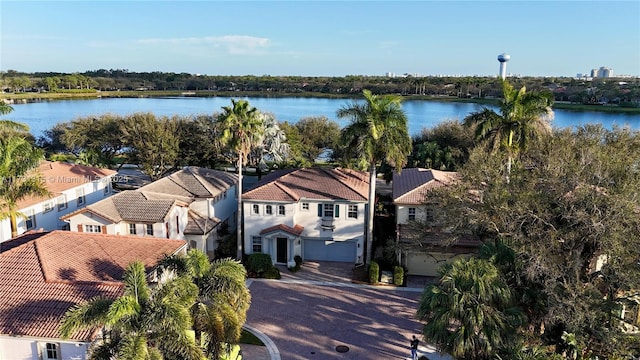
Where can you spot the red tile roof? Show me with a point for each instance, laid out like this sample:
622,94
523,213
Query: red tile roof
60,176
44,274
412,185
311,183
296,230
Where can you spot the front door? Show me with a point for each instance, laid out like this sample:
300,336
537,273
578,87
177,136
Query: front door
281,250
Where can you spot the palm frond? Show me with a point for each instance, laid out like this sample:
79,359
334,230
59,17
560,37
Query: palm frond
86,315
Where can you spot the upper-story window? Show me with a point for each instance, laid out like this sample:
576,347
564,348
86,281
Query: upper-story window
305,206
150,229
48,206
30,220
328,210
268,210
429,215
93,228
132,229
50,351
281,210
412,214
255,209
80,197
62,202
107,187
352,212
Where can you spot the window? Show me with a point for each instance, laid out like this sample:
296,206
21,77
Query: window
149,229
48,206
429,215
62,202
328,210
80,196
107,187
224,196
256,244
255,209
305,206
352,212
93,228
50,351
30,220
412,214
281,210
268,210
132,229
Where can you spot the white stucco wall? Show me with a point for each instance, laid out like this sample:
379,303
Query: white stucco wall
345,228
50,220
402,213
25,348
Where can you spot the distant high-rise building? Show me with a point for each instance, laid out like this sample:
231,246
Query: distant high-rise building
503,58
604,72
594,73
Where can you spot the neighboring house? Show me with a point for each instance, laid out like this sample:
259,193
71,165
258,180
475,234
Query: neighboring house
43,274
71,186
193,204
422,254
316,213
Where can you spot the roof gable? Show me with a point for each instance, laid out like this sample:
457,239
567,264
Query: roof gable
412,185
43,274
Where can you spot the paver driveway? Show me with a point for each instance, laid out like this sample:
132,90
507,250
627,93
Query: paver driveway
308,321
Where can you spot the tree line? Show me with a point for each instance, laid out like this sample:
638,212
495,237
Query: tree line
623,92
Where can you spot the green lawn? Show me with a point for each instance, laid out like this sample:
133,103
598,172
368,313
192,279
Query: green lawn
248,338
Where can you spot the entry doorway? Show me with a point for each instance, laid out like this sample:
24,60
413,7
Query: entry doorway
281,250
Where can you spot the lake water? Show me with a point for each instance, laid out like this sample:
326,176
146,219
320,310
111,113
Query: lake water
43,115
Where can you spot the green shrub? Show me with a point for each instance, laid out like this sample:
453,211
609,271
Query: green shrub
398,275
374,272
272,273
259,263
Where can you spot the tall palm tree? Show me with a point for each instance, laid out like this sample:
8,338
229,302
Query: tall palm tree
242,128
18,161
223,297
523,116
377,132
468,314
144,322
8,126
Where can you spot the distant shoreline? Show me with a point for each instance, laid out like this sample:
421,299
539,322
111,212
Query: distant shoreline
29,97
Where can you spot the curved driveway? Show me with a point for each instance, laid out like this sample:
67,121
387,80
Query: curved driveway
307,317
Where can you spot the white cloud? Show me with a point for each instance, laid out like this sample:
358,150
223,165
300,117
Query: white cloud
233,44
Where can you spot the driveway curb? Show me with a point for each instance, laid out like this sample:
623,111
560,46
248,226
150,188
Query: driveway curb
268,343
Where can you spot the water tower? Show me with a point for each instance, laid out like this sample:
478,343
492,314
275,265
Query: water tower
503,58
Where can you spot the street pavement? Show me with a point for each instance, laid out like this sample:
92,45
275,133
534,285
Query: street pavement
307,317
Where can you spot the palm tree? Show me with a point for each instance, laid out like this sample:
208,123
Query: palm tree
8,126
18,159
377,132
523,116
467,313
223,298
144,322
242,130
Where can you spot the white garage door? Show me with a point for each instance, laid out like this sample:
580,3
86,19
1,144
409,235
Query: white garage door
318,250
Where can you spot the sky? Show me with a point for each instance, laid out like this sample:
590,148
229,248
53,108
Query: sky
321,38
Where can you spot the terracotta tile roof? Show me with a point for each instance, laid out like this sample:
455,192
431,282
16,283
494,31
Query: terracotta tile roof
311,183
60,176
46,273
198,224
296,230
412,185
195,182
133,206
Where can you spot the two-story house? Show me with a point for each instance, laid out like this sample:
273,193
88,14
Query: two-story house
44,274
422,252
71,187
191,204
315,213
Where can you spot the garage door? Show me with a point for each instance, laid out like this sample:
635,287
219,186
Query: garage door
428,264
317,250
